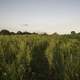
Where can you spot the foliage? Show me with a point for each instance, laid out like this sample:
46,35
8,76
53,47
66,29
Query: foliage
39,57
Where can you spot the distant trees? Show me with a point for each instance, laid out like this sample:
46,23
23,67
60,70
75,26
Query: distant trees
26,32
5,32
19,32
73,32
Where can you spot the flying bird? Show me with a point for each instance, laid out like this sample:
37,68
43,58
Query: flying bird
25,24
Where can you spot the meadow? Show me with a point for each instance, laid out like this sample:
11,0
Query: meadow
40,57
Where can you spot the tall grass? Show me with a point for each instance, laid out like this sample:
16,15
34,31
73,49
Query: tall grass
38,57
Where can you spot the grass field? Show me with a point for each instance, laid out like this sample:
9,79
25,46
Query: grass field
40,57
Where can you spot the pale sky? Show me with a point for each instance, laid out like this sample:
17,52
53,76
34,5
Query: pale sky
50,16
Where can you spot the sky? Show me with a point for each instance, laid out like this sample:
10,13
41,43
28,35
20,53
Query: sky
61,16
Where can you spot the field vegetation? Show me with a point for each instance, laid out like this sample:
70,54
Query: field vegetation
33,56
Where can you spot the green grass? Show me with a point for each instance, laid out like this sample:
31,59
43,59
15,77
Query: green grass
39,57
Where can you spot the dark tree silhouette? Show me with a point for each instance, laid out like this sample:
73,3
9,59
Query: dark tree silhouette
12,33
73,32
19,32
26,33
4,32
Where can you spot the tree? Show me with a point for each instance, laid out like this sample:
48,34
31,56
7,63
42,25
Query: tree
19,32
5,32
26,33
73,32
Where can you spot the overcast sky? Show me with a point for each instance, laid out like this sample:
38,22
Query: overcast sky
50,16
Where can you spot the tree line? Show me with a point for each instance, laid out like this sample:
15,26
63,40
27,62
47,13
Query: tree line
7,32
